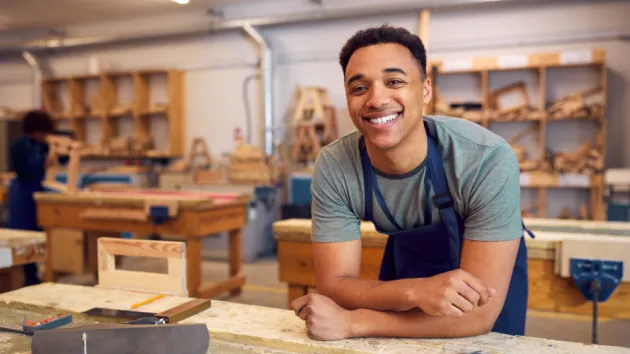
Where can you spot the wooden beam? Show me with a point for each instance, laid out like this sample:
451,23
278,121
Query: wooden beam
423,27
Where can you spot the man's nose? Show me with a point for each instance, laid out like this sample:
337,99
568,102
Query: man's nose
379,97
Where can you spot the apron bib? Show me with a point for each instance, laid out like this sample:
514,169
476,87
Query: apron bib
435,248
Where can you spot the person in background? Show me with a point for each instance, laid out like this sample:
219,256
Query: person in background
29,159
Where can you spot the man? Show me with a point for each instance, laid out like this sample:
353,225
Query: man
445,190
29,159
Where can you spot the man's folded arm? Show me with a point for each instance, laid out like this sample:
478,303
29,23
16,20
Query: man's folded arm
491,262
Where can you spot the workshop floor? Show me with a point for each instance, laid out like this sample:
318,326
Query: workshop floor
264,289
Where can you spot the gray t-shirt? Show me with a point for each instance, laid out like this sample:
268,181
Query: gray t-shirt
481,170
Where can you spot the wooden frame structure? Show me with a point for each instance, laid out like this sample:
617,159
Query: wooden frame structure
540,171
172,283
68,99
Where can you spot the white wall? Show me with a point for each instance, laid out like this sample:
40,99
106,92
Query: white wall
306,54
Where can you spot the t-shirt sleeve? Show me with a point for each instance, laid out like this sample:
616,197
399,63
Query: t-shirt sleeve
331,215
495,198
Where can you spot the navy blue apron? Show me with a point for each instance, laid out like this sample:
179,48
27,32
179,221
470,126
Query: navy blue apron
21,205
435,248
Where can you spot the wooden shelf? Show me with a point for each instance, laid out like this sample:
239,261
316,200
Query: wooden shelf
70,99
559,180
536,67
519,62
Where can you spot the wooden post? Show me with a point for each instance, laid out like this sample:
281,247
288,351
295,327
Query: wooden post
236,256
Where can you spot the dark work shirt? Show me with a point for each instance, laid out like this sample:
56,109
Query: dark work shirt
28,159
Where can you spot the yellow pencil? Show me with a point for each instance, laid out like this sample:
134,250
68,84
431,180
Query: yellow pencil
144,302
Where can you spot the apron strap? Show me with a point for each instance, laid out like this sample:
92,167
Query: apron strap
427,205
367,182
443,201
371,184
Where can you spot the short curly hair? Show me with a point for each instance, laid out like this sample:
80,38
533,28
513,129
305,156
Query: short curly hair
37,121
385,34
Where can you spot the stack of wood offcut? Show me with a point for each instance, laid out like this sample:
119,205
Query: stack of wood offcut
520,110
127,146
249,165
471,111
525,163
584,160
565,213
575,105
202,173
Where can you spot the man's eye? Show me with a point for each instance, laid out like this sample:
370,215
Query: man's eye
396,82
357,89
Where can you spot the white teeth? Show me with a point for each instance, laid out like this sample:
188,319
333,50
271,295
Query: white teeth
383,120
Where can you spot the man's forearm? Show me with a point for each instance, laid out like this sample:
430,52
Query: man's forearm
354,293
417,324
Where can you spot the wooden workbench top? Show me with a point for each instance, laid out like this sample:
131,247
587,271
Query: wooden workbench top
579,226
270,328
541,247
19,247
132,198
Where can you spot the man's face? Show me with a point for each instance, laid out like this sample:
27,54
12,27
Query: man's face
39,136
385,90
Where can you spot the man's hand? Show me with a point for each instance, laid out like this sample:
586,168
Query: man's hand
450,294
325,320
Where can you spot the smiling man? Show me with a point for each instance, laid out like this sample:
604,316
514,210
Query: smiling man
445,190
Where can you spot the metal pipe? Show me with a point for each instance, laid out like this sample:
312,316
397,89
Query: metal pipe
37,77
266,69
320,15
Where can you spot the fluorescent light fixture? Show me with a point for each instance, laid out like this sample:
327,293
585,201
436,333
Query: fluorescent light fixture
181,2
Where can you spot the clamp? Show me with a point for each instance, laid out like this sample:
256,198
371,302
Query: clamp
597,280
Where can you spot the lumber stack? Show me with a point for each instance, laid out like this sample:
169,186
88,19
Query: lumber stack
249,165
576,105
584,160
521,109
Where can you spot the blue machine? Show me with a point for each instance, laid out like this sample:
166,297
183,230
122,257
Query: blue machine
597,280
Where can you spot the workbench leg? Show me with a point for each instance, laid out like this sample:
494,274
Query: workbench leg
236,256
193,266
11,278
49,274
296,291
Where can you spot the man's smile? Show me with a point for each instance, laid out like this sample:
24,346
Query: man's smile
383,119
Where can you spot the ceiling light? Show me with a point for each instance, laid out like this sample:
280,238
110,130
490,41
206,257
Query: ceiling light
181,2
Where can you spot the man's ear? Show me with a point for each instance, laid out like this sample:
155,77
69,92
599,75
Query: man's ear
427,91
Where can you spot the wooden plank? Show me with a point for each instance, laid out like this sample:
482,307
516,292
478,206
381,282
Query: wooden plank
178,313
114,214
270,328
142,248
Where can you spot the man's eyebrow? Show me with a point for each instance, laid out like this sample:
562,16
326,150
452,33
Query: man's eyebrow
394,70
354,78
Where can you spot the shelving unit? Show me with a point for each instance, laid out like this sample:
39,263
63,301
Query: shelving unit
541,169
111,97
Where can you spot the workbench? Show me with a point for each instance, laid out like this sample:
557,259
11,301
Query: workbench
550,287
240,328
191,217
18,248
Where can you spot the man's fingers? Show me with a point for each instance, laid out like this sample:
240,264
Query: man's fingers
305,312
470,294
299,303
461,303
478,286
454,312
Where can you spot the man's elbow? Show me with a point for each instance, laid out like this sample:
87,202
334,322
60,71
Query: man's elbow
484,321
